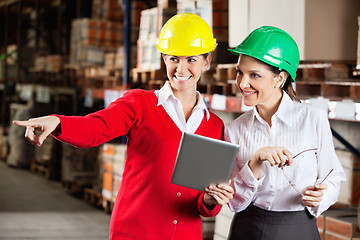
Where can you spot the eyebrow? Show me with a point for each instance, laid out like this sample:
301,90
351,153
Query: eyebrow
195,56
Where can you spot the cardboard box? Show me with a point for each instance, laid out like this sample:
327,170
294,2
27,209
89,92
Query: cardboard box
338,224
341,227
113,156
55,63
79,165
214,12
350,189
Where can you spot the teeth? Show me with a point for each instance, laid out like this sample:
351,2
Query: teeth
247,93
182,78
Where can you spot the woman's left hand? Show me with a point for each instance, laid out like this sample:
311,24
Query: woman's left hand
218,195
312,195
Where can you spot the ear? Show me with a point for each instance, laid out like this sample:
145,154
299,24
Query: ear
280,79
206,63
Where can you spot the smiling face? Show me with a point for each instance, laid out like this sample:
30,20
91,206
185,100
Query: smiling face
258,84
185,71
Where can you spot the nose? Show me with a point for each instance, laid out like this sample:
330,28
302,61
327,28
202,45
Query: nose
181,66
242,81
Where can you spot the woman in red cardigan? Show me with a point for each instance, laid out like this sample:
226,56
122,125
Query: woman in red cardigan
148,206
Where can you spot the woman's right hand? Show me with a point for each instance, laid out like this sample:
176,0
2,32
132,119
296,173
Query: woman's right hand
45,125
276,156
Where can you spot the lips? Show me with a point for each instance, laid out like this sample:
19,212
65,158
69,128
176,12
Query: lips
182,78
248,93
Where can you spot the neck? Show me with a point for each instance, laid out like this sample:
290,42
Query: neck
268,109
188,101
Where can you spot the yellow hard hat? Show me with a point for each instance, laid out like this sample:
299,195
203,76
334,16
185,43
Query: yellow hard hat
186,34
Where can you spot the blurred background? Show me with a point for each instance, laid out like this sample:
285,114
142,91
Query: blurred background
74,57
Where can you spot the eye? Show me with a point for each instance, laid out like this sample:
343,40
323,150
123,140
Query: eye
191,60
255,75
174,59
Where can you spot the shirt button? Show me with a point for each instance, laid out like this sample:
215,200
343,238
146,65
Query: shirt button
178,194
174,222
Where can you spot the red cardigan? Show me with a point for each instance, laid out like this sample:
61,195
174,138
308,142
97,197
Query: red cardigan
148,206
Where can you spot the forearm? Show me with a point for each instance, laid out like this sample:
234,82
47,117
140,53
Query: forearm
245,185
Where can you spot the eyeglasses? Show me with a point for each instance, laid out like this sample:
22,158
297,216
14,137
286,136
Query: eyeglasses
291,182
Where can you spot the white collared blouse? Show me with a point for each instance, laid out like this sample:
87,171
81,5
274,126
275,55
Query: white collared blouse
173,107
297,127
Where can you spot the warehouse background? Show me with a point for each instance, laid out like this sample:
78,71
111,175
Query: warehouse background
77,56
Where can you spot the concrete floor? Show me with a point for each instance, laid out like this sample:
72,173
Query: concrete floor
32,207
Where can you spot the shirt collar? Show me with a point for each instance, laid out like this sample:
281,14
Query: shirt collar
165,94
284,112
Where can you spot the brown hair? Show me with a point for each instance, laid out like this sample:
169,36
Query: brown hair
287,87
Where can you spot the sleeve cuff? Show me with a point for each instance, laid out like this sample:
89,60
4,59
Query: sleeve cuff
248,177
204,211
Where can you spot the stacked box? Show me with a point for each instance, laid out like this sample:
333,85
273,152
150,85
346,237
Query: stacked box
214,12
112,10
40,63
339,224
108,10
148,24
96,32
54,63
113,156
87,55
350,189
79,165
109,61
152,20
92,38
119,57
167,3
46,151
148,57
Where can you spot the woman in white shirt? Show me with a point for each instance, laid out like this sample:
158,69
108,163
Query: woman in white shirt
286,147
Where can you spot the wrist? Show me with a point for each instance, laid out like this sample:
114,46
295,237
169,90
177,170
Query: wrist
255,167
208,206
254,163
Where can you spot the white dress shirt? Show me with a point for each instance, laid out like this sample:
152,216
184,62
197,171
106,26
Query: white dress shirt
173,107
297,127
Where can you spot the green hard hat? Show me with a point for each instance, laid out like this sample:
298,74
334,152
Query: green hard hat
272,46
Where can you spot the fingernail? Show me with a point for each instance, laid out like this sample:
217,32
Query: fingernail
307,192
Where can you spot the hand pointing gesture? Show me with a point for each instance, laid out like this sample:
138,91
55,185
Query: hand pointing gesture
44,124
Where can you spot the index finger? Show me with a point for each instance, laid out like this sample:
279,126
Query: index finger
289,156
22,123
320,186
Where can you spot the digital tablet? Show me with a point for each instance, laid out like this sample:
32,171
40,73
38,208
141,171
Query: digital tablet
202,161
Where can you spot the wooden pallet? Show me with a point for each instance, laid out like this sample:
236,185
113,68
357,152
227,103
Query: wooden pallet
335,90
155,84
219,88
144,76
41,168
72,187
93,197
324,70
225,72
